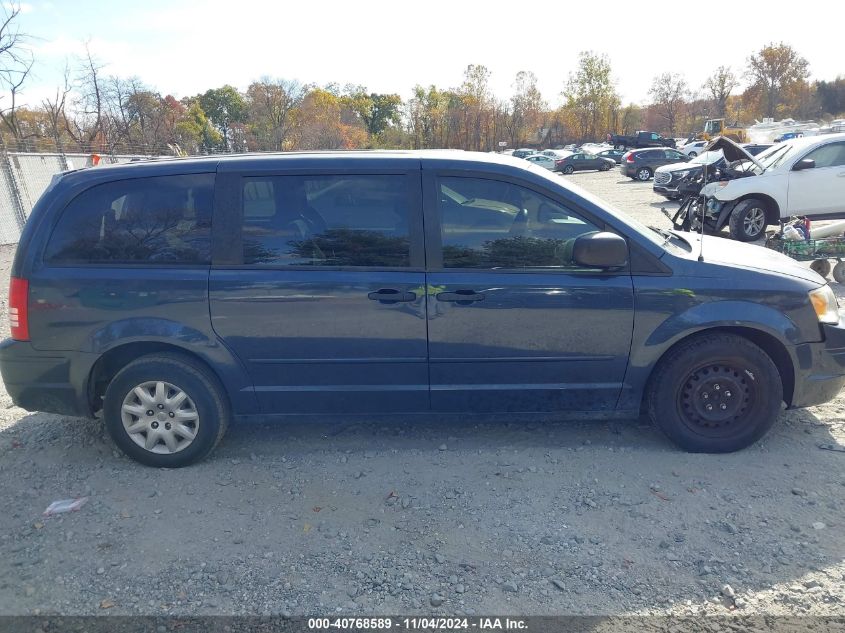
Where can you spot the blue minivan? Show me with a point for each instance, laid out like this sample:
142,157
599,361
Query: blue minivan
171,296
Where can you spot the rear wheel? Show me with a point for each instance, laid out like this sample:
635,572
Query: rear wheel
643,174
693,154
715,393
822,267
839,272
165,410
748,220
568,169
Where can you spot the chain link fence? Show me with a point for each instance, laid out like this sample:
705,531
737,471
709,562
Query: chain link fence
23,178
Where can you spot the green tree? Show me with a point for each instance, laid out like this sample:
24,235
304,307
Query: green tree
224,107
194,132
773,69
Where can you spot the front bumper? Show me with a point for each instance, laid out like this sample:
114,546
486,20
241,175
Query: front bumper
820,371
54,382
667,191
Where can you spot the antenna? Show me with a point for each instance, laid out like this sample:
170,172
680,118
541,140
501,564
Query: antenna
703,205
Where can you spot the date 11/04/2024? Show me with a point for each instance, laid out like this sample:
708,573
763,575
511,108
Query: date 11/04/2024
419,623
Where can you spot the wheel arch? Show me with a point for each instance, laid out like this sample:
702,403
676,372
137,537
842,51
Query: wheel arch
117,357
771,346
772,206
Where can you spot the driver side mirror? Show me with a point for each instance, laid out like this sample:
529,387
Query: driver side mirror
804,163
600,250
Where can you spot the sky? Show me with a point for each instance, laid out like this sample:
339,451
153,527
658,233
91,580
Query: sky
184,47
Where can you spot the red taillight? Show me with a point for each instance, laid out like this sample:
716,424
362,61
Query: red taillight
19,308
629,158
559,162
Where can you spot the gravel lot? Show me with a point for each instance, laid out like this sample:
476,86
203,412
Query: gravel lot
427,516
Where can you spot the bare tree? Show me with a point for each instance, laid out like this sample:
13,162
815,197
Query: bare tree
15,65
55,110
87,126
669,93
718,88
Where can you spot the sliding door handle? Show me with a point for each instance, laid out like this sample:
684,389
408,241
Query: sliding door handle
391,295
461,296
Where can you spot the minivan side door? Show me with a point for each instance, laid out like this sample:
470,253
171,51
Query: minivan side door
514,324
317,284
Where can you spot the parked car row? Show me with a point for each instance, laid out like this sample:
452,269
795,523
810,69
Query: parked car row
572,162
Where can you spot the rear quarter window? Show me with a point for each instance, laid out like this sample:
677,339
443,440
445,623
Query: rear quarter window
157,220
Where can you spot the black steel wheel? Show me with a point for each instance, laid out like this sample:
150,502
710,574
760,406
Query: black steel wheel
715,393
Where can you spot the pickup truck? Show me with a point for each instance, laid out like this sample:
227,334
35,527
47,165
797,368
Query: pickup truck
639,139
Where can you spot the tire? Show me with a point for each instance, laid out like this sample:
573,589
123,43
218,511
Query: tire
644,174
748,220
839,272
568,169
692,154
821,266
150,381
604,168
685,383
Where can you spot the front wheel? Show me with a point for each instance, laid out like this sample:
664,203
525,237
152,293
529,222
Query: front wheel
748,220
643,174
693,154
604,167
715,393
165,410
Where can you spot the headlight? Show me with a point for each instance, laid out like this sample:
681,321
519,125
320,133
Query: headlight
682,174
825,305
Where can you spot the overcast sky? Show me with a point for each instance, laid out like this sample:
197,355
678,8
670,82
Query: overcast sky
183,47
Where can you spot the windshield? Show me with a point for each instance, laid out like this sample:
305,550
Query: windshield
707,158
652,235
775,155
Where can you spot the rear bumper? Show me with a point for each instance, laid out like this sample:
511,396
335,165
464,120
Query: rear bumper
820,374
55,382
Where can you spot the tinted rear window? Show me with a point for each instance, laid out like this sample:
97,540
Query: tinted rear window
157,220
344,220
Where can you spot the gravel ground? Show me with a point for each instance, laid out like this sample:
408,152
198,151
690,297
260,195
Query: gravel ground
428,516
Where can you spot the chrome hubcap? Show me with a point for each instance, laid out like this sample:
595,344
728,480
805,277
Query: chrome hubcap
754,221
159,417
643,174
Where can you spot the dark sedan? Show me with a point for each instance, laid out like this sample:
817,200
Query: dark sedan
613,154
582,161
640,164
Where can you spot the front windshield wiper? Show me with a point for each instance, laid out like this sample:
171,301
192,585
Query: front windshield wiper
666,235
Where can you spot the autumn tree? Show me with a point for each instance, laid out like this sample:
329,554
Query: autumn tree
272,106
669,93
773,69
718,88
526,108
591,95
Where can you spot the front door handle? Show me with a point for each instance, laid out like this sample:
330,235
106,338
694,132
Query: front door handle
461,296
391,295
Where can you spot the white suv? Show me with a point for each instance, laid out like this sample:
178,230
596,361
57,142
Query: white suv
801,177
